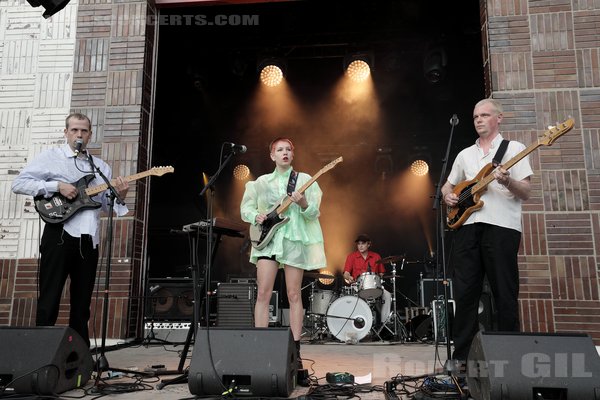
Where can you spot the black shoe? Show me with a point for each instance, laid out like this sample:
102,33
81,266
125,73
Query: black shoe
298,358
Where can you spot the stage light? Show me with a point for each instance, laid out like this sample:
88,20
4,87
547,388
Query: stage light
241,172
51,6
327,281
272,71
419,167
358,66
434,65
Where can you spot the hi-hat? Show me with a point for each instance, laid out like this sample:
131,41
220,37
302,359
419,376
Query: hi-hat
390,259
316,275
387,276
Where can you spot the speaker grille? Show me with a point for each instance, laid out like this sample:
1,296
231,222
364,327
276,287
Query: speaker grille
235,305
170,299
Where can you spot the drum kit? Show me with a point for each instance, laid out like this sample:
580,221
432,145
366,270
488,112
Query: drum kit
350,315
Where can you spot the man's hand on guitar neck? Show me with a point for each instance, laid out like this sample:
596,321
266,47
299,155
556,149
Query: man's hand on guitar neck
502,176
521,189
122,186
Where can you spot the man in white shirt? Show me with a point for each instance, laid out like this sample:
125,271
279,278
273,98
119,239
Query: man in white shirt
69,248
487,243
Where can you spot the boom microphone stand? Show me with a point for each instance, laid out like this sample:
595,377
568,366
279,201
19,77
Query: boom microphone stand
449,366
102,362
201,296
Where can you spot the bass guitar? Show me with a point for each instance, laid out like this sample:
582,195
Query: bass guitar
261,234
469,192
58,209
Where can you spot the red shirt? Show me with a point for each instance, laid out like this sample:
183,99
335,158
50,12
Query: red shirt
356,264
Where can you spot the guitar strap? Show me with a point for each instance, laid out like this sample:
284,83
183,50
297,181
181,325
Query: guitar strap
292,182
500,153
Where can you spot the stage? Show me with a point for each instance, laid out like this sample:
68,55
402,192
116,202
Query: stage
380,360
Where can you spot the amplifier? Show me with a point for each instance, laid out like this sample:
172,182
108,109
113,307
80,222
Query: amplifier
169,299
173,332
235,305
430,288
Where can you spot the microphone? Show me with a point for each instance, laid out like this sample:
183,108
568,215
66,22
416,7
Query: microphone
454,120
78,145
239,148
369,267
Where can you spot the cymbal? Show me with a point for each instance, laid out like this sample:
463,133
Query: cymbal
316,275
390,259
386,276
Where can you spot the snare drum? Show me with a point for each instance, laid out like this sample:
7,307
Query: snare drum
369,285
320,301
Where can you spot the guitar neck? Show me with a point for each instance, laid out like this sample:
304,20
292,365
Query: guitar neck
287,201
482,184
100,188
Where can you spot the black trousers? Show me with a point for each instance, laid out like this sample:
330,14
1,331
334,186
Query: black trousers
63,255
481,250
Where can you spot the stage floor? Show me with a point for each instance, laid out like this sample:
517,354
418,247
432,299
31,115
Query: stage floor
378,361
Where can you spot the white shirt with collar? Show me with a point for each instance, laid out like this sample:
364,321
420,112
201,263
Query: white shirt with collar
41,176
501,207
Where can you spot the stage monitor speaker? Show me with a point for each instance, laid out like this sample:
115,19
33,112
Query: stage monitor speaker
248,361
43,360
170,299
521,366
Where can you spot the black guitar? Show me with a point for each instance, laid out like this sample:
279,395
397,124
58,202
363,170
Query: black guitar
58,209
261,234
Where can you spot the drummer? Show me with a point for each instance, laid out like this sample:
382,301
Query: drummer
363,261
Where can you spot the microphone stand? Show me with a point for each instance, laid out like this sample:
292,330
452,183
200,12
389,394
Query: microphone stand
449,366
205,289
102,362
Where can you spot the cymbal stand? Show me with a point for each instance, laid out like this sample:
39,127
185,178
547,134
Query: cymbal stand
398,330
311,315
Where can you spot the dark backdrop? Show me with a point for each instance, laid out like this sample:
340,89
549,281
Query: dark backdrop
207,81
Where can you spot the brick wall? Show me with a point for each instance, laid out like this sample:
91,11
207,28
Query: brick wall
93,57
542,61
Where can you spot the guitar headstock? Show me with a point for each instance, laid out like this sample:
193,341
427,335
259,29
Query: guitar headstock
557,131
332,164
160,171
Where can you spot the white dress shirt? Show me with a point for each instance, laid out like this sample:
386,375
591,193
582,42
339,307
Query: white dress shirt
41,176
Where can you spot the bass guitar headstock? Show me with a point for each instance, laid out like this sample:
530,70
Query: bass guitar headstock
554,132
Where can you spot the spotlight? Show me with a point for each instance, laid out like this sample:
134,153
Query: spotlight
241,172
419,167
434,65
272,71
51,6
358,66
327,281
420,161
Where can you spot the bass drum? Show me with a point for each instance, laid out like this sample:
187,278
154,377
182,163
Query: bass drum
349,319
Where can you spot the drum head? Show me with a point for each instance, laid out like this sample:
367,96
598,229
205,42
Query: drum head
320,301
349,319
